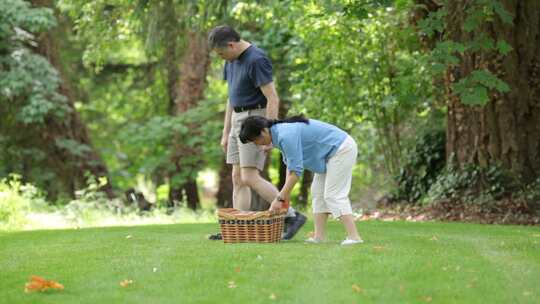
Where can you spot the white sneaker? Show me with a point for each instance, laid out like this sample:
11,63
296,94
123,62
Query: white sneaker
347,242
313,240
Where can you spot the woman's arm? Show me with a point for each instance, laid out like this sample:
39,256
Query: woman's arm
285,193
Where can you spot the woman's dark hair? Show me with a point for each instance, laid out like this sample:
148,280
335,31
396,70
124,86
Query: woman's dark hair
253,126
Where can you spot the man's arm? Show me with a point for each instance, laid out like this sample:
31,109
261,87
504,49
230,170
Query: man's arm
226,127
272,107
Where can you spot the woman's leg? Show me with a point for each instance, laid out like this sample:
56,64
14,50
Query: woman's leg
320,225
338,185
320,210
350,227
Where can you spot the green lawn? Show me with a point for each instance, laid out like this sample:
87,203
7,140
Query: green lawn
399,263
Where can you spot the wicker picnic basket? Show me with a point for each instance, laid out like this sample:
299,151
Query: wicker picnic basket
251,226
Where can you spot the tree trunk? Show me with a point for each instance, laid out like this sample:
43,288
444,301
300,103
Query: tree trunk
305,186
506,130
190,92
173,74
225,191
71,168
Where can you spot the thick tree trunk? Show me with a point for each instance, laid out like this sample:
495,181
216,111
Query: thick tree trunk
71,168
190,91
506,131
225,191
305,186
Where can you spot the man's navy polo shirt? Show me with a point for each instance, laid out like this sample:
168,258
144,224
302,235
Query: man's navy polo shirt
245,75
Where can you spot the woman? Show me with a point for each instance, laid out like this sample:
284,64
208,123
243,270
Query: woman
321,148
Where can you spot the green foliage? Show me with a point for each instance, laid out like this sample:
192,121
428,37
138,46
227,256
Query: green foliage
422,167
531,192
472,184
351,71
473,89
28,82
16,200
90,203
28,92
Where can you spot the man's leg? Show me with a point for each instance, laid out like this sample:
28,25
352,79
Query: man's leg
252,178
294,221
241,191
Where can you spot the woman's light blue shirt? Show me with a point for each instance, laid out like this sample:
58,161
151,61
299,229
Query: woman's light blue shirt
307,146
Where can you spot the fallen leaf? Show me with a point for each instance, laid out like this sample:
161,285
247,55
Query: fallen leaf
378,248
237,269
129,236
38,283
126,283
401,288
272,296
427,298
232,284
356,288
434,238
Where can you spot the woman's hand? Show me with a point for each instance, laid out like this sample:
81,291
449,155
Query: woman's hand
277,203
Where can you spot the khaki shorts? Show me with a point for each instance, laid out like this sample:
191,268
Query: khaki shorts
247,155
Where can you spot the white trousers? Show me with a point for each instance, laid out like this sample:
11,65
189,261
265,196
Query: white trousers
330,190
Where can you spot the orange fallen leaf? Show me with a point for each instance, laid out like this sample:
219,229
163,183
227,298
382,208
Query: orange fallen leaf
356,288
237,269
126,283
38,283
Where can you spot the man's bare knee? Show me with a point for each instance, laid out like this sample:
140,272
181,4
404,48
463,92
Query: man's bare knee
249,176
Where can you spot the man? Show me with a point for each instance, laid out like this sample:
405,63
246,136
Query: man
251,91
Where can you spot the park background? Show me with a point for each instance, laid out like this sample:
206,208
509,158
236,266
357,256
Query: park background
112,105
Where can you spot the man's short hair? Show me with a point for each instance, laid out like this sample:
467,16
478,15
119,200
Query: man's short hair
221,35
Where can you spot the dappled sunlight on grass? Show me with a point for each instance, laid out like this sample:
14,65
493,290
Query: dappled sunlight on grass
105,218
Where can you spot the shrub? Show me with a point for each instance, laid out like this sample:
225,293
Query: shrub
472,184
16,200
422,166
